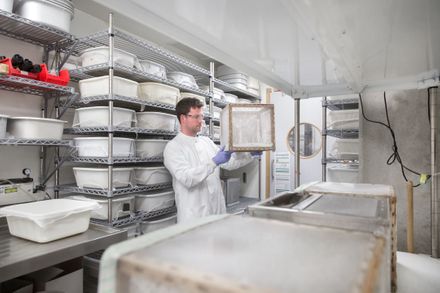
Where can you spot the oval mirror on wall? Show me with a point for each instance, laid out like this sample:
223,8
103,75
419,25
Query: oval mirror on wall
309,141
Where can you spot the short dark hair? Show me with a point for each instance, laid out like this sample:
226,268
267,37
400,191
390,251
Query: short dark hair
184,106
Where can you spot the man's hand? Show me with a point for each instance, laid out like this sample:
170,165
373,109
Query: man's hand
222,156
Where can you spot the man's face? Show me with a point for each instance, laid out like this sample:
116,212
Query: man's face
191,123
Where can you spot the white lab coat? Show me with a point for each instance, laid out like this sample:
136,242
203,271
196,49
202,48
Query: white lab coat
196,178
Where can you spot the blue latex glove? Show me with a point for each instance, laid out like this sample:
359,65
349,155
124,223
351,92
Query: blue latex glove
256,154
222,156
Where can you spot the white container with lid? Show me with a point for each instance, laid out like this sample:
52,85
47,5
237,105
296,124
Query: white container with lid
99,86
156,120
150,226
100,55
154,201
35,128
121,206
98,177
157,92
153,68
147,148
98,146
183,78
6,5
98,117
48,220
3,123
151,175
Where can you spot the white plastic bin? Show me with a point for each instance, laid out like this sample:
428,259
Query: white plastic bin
216,112
121,206
154,201
98,146
231,98
100,55
343,173
98,177
3,123
99,86
151,175
55,13
146,148
343,119
345,149
35,128
217,93
6,5
183,78
98,117
156,120
150,226
48,220
157,92
153,68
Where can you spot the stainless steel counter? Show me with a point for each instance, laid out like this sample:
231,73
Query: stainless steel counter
19,256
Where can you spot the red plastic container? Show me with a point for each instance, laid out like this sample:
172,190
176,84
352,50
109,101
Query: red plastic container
62,79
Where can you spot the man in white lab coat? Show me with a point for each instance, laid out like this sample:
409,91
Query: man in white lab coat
194,162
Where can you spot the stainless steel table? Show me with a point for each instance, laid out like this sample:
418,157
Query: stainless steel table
240,207
19,256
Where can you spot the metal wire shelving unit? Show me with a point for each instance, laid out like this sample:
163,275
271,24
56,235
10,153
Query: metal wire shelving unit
127,130
115,160
34,142
33,87
113,192
337,105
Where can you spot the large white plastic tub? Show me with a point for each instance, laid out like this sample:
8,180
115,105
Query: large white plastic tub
347,149
98,177
343,173
100,55
99,86
217,93
343,119
157,92
153,68
183,78
55,13
98,146
150,226
98,117
121,206
147,148
231,98
48,220
6,5
151,175
35,128
154,201
156,120
3,122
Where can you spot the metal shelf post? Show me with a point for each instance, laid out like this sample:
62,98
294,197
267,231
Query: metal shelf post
324,139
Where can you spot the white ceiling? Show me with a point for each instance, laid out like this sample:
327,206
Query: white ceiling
293,44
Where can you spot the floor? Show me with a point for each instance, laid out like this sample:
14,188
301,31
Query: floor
417,273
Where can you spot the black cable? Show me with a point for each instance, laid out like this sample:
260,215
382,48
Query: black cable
395,156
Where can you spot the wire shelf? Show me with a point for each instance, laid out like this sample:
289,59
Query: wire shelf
35,142
114,192
137,217
33,87
17,27
116,160
129,73
342,104
228,88
106,129
343,133
144,50
125,102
